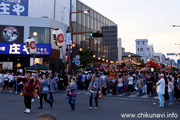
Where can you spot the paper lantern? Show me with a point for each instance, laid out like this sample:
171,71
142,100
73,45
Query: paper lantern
58,37
31,45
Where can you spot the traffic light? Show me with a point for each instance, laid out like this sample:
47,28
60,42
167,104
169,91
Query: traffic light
66,59
90,34
96,34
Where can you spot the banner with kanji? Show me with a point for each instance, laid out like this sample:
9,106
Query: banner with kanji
14,7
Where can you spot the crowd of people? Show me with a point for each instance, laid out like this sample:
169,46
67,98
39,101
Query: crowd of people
164,84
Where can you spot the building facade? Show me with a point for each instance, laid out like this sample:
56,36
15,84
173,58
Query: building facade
141,48
104,47
159,57
35,19
130,59
144,50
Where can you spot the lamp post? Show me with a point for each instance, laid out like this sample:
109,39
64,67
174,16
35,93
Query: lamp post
129,60
70,16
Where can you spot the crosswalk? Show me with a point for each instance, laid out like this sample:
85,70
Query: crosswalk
134,95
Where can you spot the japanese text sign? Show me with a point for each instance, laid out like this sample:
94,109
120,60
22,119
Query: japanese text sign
14,7
20,49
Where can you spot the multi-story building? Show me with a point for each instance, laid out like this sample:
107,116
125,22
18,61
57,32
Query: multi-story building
119,49
37,19
141,48
159,57
104,47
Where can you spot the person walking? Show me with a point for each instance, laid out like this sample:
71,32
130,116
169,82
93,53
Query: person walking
28,91
52,87
161,90
72,91
94,87
44,92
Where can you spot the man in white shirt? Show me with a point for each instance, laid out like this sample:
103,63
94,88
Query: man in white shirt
161,90
11,80
130,83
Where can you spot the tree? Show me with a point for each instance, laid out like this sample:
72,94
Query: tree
86,57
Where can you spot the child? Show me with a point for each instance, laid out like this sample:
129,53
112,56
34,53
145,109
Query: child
170,91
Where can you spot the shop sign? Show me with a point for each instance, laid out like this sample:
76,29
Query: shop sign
20,49
11,34
14,7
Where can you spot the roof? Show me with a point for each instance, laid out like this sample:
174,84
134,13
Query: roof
125,54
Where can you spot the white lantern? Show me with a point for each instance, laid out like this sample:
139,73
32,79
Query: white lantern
31,45
58,37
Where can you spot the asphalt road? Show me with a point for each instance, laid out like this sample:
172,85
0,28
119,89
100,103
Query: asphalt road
110,108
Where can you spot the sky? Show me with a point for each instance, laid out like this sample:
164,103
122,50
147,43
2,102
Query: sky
144,19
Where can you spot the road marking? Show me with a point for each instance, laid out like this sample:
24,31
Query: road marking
145,96
81,92
133,99
156,97
134,95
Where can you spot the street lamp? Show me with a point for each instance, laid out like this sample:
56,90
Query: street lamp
80,49
129,60
94,56
73,45
70,16
99,58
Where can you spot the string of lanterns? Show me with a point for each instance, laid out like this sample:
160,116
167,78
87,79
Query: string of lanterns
124,61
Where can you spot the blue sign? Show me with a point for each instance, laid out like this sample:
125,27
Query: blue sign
20,49
77,62
73,60
14,7
171,53
178,61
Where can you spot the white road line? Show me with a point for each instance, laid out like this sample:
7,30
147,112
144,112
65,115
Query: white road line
81,92
133,99
156,97
133,95
145,96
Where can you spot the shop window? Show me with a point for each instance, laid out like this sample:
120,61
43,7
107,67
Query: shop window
41,35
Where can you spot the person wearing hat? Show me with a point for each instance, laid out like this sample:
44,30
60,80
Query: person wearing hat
161,90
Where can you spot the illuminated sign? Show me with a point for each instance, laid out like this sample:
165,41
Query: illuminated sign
20,49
